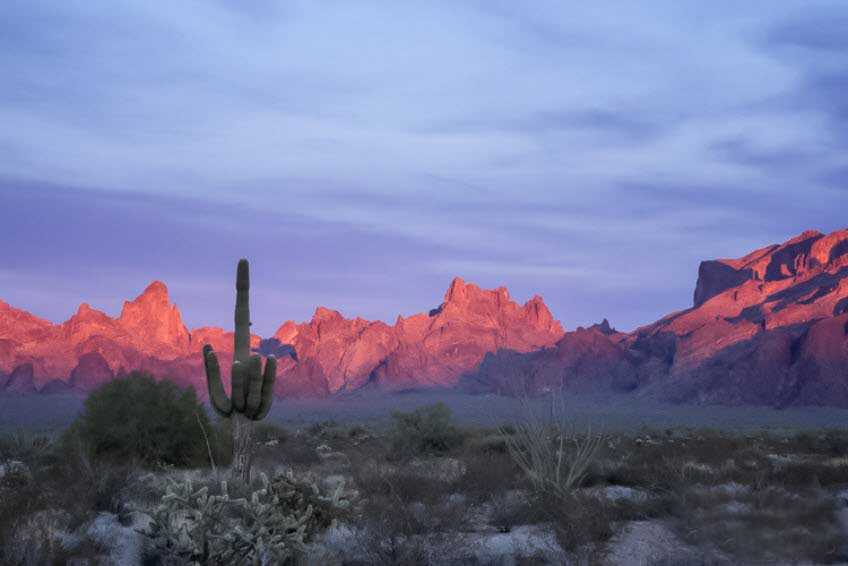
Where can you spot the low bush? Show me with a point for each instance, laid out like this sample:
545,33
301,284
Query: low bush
428,429
404,515
269,523
138,419
487,474
55,487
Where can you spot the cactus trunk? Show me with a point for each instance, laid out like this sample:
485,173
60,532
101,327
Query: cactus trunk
242,446
252,388
241,425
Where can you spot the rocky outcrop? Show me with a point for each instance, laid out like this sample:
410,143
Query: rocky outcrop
90,372
327,355
57,387
583,360
438,347
809,252
430,349
751,342
155,324
21,380
768,328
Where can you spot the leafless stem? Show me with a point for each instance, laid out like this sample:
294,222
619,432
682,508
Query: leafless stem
208,446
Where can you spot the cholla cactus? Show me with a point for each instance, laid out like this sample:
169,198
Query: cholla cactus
252,388
190,526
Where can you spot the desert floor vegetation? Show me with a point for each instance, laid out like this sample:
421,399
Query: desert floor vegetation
420,488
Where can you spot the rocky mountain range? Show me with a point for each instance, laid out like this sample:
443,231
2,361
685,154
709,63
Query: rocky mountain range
770,328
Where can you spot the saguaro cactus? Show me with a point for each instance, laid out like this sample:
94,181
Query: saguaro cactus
252,388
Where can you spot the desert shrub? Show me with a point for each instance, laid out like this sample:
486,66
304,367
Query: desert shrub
275,446
765,526
511,509
325,428
584,523
808,474
487,474
405,515
55,488
489,442
581,523
398,483
99,484
268,433
269,524
357,431
137,418
427,429
551,453
20,497
832,442
24,445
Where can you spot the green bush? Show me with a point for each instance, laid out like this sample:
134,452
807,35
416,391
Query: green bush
138,419
425,430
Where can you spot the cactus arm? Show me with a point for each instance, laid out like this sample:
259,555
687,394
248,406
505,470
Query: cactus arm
254,386
239,385
267,388
217,396
242,315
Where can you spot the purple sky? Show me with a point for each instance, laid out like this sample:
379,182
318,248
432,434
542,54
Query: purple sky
362,154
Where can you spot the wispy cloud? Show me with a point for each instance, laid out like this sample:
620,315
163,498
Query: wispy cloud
366,152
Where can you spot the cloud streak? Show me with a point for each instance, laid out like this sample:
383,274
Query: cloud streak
366,153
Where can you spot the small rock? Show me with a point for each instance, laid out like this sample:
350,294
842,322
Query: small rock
619,493
649,542
16,469
332,482
842,497
735,508
124,544
457,499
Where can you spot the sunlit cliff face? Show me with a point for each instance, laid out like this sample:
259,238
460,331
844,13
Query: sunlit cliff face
323,356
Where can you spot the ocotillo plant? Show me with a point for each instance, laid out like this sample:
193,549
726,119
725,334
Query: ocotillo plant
252,389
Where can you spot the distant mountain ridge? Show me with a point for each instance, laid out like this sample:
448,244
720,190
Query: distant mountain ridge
324,356
770,328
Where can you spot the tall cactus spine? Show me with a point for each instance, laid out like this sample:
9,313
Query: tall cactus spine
252,391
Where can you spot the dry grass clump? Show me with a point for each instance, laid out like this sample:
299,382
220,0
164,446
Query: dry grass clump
405,515
763,525
47,486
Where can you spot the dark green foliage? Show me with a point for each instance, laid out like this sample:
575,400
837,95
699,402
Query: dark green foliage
136,418
425,430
